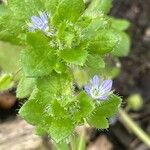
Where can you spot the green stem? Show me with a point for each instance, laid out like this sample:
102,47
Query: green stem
73,142
81,145
134,127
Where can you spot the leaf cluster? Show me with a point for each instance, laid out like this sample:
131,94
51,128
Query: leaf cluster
82,37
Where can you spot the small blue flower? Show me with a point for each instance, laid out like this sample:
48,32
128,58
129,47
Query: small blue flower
40,23
99,90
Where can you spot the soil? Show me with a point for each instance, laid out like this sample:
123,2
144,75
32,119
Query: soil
134,78
135,72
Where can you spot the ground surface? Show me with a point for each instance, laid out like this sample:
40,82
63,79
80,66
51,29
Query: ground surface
135,74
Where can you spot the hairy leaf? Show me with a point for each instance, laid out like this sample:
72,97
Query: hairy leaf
105,110
25,87
98,7
98,122
34,110
53,85
84,107
76,55
123,47
38,59
57,110
104,42
14,23
68,10
12,53
51,6
60,129
96,24
95,63
119,24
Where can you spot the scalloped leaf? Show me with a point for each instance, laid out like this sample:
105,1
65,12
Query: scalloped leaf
53,85
75,56
123,47
98,122
85,106
95,63
57,110
75,9
104,42
14,23
51,6
60,129
25,87
39,59
105,110
98,7
119,24
34,110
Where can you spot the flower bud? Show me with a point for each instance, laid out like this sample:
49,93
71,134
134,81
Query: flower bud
135,102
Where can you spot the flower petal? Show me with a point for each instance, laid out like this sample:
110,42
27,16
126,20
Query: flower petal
103,97
87,89
95,81
36,21
44,27
106,85
44,17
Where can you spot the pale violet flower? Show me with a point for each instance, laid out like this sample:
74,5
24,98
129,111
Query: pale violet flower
99,89
39,22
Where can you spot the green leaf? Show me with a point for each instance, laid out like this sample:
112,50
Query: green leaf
39,59
68,10
3,10
40,131
123,47
103,111
104,42
57,110
109,107
53,85
111,72
120,24
9,57
60,67
6,82
75,56
62,146
25,9
98,23
80,76
51,6
83,22
60,129
33,111
95,63
85,107
14,23
98,122
98,7
25,87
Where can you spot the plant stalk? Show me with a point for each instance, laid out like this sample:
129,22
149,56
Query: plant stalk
81,145
134,127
